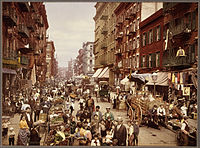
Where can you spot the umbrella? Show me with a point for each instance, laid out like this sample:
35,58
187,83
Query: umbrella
139,78
124,81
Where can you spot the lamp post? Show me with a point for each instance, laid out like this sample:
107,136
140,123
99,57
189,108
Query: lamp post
154,78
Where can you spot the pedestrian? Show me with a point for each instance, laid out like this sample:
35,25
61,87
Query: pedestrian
34,137
37,111
95,141
130,133
28,117
72,107
98,113
32,104
120,133
161,113
108,114
24,133
185,130
108,123
114,103
102,128
90,104
5,125
11,136
95,125
136,132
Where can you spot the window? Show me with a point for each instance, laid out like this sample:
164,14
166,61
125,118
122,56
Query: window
134,27
147,59
144,60
134,43
144,39
138,22
194,14
138,42
150,36
137,61
153,59
157,59
155,34
158,33
150,60
141,61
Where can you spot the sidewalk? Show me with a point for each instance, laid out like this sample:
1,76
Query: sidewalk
14,122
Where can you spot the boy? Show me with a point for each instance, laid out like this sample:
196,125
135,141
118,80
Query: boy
11,135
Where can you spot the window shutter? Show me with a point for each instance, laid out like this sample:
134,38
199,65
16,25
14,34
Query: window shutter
148,37
193,53
193,20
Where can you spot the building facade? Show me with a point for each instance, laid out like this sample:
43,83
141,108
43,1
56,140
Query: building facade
104,45
151,48
88,59
24,36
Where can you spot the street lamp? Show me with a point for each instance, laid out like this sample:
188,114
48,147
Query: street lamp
154,78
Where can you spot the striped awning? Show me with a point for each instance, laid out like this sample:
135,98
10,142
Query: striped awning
96,74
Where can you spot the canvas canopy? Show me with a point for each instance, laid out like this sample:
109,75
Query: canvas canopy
162,79
104,73
96,74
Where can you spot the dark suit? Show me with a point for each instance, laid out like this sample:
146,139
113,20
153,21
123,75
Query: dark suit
120,135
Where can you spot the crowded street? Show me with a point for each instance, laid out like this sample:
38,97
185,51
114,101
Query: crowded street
99,74
147,136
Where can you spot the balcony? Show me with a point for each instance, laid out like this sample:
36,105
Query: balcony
24,60
30,24
9,16
24,6
180,30
119,36
132,11
170,60
104,30
104,17
38,20
23,31
119,20
127,16
118,52
103,45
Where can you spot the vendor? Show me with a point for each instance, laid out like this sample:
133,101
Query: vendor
185,129
161,113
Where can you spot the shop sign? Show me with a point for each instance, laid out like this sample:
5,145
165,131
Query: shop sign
186,91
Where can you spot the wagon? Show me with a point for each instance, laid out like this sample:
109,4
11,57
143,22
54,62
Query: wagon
140,105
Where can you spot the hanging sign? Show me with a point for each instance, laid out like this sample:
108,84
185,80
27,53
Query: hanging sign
186,91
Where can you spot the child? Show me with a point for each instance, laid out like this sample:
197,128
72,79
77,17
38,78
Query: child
5,125
11,135
102,128
109,137
95,141
130,133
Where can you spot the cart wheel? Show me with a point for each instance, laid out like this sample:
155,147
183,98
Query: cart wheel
138,114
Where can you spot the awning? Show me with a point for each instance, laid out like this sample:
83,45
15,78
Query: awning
139,78
104,74
124,81
96,74
9,71
162,79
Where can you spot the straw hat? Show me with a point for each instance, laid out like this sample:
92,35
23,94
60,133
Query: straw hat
119,119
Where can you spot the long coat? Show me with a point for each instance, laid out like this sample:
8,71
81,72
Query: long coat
120,135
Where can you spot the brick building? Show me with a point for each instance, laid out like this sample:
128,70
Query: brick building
151,48
24,43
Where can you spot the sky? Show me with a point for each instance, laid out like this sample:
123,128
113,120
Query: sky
70,24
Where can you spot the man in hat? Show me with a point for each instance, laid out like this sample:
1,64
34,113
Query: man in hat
120,133
108,114
98,113
135,132
90,104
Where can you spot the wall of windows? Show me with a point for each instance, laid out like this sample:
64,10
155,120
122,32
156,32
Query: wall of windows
150,36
